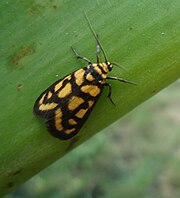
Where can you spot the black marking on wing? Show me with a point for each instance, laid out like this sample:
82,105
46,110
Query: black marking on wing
49,115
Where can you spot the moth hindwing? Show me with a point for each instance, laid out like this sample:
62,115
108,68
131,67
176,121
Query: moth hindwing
68,102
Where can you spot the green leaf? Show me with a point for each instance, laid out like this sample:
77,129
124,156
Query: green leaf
35,39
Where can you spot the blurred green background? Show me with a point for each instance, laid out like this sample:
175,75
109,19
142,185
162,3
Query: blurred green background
138,156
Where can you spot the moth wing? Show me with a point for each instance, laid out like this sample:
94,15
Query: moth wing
47,102
69,118
65,106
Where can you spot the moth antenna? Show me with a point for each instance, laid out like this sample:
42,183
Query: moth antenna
95,36
120,66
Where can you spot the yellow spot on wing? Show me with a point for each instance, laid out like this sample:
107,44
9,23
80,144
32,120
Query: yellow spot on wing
58,86
90,103
93,90
67,77
48,106
79,76
68,131
65,91
72,121
81,113
58,115
89,77
49,94
75,102
42,99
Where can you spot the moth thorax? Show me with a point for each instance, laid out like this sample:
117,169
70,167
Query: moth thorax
107,66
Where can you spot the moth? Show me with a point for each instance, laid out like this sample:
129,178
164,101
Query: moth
68,102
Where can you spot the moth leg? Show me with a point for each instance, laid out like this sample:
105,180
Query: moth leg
80,57
121,80
109,94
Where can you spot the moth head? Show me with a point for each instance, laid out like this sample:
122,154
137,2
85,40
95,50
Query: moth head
109,66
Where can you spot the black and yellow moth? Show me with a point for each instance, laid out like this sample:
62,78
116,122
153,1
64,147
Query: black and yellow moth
68,102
